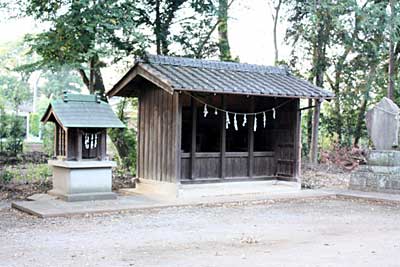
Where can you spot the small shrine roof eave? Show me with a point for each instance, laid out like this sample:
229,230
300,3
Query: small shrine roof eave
81,111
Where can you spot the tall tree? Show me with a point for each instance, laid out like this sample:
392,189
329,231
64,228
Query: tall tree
312,23
275,10
223,40
84,35
390,91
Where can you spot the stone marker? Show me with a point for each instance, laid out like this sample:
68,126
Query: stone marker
383,124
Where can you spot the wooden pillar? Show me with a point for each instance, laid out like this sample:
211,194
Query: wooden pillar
66,136
139,139
178,134
223,139
193,143
250,144
78,144
314,139
55,140
297,143
103,144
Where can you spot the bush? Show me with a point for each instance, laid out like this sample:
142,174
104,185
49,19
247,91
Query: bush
34,124
25,173
6,176
48,139
38,172
12,134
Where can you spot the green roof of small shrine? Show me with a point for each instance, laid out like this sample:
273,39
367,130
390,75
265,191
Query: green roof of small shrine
81,111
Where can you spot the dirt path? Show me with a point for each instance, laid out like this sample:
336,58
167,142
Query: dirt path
329,232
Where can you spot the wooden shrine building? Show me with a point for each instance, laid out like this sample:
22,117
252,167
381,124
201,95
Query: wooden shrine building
208,121
81,168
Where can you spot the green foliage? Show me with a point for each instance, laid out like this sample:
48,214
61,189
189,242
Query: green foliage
58,81
16,135
125,138
346,45
26,173
6,176
82,33
48,139
34,124
12,133
37,172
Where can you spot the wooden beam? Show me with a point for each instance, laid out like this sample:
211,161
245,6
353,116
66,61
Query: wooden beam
250,144
144,72
178,136
314,136
223,139
193,143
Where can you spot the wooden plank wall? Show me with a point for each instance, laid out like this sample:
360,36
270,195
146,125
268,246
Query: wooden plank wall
287,141
158,135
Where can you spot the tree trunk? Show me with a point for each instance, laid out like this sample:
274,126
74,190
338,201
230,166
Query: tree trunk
363,108
314,141
157,28
223,41
95,84
319,66
275,18
390,91
91,76
309,125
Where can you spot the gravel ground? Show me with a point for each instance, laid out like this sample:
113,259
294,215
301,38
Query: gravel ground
324,176
327,232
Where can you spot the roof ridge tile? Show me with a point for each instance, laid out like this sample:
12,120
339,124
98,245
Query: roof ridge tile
211,64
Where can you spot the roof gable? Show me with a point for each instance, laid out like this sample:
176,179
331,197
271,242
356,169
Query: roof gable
187,74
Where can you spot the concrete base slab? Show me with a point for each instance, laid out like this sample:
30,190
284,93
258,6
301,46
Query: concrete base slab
173,190
37,197
82,196
237,188
132,202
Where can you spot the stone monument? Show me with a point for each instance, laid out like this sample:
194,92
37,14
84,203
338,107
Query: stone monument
382,171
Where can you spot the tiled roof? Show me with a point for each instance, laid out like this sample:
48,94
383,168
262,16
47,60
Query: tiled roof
82,111
189,74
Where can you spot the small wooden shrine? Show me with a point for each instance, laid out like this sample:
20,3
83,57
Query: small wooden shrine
81,169
203,121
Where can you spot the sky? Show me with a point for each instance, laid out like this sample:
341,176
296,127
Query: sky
250,33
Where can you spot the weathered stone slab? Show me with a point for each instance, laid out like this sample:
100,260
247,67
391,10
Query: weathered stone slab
383,158
385,179
383,124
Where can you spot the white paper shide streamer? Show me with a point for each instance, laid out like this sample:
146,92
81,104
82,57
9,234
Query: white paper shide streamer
255,123
244,120
205,112
227,120
273,113
264,120
235,123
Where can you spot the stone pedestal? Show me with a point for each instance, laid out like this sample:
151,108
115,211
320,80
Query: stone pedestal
82,180
381,174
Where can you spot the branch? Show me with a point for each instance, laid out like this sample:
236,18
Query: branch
330,81
85,79
208,36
